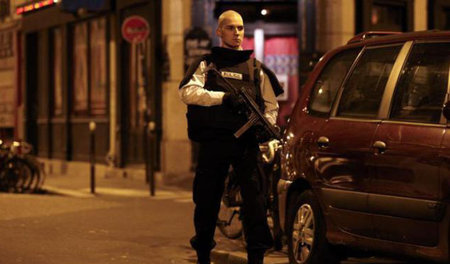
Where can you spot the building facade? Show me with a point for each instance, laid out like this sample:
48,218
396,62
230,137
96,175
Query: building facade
10,48
79,68
66,63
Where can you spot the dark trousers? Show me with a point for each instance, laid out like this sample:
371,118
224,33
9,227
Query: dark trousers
214,160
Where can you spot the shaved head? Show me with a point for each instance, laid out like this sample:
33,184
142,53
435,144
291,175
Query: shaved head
228,15
230,29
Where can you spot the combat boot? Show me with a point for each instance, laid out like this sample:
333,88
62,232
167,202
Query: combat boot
255,257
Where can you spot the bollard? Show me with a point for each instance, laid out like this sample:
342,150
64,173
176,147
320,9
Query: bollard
149,170
92,154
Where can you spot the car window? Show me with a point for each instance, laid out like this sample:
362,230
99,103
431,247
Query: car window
422,86
329,81
364,88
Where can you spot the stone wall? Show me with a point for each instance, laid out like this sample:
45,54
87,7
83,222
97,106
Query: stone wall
176,148
335,23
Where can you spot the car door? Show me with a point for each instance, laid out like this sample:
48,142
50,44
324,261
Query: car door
405,190
343,145
310,114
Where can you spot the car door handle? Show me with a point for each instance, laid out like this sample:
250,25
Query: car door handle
380,146
323,142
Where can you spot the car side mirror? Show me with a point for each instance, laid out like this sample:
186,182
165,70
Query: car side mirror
446,110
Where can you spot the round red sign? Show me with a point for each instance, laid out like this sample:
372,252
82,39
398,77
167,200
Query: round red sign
135,29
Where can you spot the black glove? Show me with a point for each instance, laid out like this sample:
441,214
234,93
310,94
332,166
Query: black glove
234,102
261,135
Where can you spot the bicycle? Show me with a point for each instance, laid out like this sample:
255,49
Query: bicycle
229,220
20,172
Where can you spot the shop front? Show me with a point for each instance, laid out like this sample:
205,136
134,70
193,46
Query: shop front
80,69
65,81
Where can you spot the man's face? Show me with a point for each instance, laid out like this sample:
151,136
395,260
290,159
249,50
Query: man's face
231,32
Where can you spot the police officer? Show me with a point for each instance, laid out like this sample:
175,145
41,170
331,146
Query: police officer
213,116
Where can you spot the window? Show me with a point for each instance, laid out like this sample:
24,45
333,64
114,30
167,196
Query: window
422,87
446,12
89,68
57,72
364,89
388,17
330,80
6,44
98,66
4,9
384,15
439,14
80,69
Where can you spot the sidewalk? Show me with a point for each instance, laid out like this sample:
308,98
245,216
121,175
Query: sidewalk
131,183
120,184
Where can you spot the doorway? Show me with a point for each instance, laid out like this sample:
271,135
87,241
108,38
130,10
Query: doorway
140,92
31,87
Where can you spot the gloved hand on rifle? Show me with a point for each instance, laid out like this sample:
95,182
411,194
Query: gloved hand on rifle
263,135
234,102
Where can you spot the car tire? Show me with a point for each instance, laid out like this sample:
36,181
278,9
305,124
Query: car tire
307,243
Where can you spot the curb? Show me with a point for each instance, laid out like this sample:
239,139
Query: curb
66,192
240,257
123,192
225,257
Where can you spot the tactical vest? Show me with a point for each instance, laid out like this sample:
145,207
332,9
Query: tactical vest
219,122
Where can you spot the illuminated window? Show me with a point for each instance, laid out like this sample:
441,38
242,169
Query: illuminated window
80,69
98,66
89,68
57,73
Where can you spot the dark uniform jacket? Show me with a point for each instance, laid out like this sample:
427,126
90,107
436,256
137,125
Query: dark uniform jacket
219,122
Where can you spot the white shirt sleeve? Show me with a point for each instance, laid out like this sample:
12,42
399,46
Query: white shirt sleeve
194,92
270,100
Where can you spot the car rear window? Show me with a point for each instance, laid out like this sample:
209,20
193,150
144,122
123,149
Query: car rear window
364,88
330,80
422,86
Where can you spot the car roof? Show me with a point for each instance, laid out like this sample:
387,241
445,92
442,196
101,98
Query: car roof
377,37
381,38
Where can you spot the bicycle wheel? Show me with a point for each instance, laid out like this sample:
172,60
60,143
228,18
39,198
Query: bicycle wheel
14,174
229,218
35,182
25,174
229,222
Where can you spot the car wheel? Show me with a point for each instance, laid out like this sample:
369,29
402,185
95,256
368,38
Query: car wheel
305,228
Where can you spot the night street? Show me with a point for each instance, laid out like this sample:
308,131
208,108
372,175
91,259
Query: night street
55,229
340,107
107,229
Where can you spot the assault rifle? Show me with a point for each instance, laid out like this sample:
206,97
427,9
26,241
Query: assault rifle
254,115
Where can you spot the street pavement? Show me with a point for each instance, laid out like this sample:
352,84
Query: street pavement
54,229
121,223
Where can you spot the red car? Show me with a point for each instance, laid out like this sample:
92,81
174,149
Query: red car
365,157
